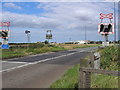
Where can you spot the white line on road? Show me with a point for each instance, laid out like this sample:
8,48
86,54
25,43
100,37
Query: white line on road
13,62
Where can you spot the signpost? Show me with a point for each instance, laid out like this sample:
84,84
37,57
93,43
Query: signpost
49,35
4,34
106,28
27,32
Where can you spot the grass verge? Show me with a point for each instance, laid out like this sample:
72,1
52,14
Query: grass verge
69,79
104,81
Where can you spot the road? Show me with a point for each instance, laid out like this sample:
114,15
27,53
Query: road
40,71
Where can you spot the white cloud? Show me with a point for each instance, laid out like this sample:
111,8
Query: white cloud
31,21
12,5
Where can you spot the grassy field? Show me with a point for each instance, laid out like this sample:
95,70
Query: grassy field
24,50
71,77
73,46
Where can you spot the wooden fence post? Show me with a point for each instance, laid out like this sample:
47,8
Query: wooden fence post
87,79
85,75
81,78
92,59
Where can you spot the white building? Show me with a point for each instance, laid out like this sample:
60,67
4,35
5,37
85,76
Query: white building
82,41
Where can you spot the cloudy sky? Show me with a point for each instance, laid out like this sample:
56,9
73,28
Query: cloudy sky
67,20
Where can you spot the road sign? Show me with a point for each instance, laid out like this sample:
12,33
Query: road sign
5,24
48,36
4,33
106,28
106,16
4,46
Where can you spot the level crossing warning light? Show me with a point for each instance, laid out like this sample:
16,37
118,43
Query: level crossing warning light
106,28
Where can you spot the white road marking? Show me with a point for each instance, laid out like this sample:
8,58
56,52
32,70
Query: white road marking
44,60
13,62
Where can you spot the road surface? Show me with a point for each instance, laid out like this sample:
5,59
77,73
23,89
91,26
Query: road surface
40,71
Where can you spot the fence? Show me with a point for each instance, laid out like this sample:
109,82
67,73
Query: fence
92,66
85,75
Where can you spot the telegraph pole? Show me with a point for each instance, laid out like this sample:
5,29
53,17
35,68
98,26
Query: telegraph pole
85,33
114,22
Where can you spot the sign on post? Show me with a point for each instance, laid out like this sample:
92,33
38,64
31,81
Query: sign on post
102,16
5,46
5,24
106,28
48,36
4,34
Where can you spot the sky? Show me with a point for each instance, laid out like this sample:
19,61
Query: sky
67,20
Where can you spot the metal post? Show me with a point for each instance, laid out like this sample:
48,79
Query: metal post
85,32
28,37
101,20
114,23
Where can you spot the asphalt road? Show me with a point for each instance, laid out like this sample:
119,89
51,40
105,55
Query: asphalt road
39,71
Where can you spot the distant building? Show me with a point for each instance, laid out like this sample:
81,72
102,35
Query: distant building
82,42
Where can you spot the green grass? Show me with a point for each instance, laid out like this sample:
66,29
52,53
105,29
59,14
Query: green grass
104,81
87,45
69,79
